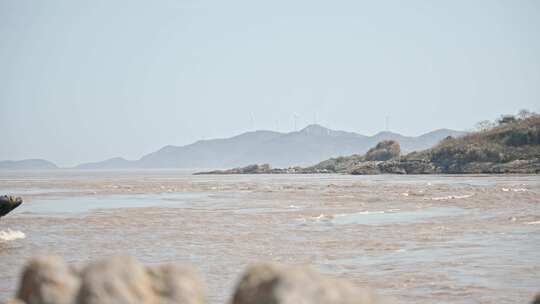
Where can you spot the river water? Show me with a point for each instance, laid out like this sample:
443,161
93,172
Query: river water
416,239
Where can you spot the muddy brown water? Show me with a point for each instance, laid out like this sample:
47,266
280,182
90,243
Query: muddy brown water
417,239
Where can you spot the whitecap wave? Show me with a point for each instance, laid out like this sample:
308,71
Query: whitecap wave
11,235
449,197
359,213
514,189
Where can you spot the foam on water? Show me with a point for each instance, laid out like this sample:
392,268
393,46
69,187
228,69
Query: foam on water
11,235
514,189
450,197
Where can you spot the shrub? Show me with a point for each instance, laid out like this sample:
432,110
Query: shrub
517,138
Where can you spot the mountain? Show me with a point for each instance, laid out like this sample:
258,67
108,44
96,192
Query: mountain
208,153
512,146
113,163
300,148
27,164
423,141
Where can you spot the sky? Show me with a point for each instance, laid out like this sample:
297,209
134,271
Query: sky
90,80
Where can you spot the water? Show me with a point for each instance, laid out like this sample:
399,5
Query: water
450,239
395,216
81,204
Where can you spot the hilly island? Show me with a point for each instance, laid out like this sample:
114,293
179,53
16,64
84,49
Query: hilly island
298,148
510,145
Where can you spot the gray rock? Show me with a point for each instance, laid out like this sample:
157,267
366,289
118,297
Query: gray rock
412,166
116,280
48,280
272,284
366,168
177,284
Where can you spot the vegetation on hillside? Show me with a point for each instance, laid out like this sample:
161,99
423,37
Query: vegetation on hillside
509,144
509,139
384,150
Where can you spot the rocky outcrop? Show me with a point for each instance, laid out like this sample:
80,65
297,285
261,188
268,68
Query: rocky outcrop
395,167
8,203
384,150
49,280
366,168
510,147
268,283
254,169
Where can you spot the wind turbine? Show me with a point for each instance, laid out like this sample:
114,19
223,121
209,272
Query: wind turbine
295,117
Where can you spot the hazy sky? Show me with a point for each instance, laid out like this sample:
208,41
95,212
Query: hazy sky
89,80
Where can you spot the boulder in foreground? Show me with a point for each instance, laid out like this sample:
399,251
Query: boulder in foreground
48,280
118,280
273,284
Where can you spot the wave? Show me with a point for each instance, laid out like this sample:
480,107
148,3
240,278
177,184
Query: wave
514,189
450,197
11,235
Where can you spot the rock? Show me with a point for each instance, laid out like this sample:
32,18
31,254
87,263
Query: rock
14,301
519,166
391,167
8,203
412,166
384,150
366,168
176,284
250,169
116,280
272,284
47,279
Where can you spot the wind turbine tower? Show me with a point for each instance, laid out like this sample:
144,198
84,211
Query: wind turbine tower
295,117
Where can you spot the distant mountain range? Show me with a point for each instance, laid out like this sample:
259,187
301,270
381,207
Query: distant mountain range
27,164
300,148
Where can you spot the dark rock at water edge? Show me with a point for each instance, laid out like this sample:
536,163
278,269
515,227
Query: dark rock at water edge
254,169
8,204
